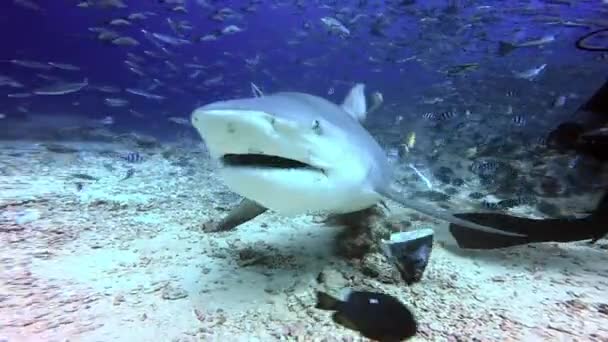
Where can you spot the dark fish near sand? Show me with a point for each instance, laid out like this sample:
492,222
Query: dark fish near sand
84,176
376,316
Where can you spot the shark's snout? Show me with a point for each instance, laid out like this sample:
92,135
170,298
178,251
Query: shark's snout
240,138
264,158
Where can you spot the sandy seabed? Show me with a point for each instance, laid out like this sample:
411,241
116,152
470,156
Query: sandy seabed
87,256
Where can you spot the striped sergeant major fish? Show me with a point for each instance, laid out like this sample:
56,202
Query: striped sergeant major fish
437,117
133,157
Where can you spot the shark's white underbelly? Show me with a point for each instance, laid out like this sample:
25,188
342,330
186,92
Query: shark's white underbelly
297,191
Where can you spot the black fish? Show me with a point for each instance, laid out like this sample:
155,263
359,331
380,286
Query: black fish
84,176
376,316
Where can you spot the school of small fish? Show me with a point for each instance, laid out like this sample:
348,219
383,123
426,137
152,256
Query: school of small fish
164,46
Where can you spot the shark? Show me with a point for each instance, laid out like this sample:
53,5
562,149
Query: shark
296,153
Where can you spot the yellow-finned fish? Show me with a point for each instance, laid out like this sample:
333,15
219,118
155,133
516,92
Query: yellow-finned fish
409,142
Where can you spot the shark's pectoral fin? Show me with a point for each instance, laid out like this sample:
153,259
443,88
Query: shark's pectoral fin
354,103
245,211
444,215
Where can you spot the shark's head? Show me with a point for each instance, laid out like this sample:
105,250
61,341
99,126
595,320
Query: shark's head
294,152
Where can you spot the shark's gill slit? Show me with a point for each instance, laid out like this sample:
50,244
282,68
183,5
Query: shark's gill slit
265,161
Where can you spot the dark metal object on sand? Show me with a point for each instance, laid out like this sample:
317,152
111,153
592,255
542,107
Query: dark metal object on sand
410,252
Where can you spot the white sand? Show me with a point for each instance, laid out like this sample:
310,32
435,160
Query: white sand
126,261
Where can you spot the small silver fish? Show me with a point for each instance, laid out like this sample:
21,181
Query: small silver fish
116,102
64,66
61,88
125,41
530,74
170,40
335,26
560,101
231,29
144,94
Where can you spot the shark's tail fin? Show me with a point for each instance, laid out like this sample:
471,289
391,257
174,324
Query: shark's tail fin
446,216
354,103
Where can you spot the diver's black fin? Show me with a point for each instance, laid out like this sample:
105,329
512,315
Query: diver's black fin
505,48
592,227
545,230
326,301
476,239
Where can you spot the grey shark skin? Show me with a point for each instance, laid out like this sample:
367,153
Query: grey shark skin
294,153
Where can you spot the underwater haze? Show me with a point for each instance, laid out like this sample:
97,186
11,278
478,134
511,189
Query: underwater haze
217,170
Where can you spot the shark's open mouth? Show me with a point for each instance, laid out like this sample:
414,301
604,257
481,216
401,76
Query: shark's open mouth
265,161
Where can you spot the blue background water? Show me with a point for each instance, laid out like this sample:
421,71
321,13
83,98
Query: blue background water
60,33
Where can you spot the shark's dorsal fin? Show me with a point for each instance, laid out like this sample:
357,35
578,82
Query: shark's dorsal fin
354,103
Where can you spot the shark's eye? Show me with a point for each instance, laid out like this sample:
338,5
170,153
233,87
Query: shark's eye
316,126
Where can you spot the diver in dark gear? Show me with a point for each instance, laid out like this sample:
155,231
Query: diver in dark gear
587,135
